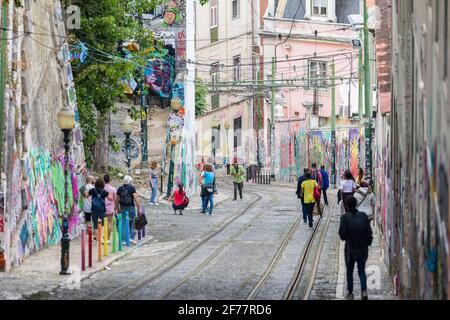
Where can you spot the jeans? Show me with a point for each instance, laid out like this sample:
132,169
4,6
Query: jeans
205,200
237,186
131,214
360,260
95,218
325,198
309,213
154,190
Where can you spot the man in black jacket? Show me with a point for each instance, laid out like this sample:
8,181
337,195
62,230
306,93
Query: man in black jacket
300,193
356,232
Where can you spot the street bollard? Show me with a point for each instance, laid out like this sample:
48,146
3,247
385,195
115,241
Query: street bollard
127,229
105,236
119,221
83,262
99,239
89,246
114,235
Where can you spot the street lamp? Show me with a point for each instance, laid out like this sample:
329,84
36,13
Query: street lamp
66,122
227,128
127,127
215,125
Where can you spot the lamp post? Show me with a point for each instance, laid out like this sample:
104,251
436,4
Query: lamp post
227,128
215,125
127,128
66,122
174,137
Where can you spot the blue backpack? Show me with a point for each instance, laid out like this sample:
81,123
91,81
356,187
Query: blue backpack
98,204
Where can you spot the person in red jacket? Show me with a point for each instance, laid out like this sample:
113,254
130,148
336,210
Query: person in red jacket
178,198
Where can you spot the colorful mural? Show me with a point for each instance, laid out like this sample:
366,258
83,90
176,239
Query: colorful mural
292,141
40,223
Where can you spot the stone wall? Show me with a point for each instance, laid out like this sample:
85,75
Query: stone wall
40,84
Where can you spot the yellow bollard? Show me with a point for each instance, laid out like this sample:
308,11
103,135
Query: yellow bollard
99,240
105,236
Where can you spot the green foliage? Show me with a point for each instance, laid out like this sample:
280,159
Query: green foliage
97,81
201,90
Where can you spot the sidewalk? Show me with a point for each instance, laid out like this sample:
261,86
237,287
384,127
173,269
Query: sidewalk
40,272
379,283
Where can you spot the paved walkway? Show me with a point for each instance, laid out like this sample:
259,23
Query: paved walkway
40,272
331,282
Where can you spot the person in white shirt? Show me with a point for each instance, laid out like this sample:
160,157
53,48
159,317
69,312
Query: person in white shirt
365,199
87,203
348,187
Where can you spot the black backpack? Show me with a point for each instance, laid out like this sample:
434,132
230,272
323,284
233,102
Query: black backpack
98,204
125,197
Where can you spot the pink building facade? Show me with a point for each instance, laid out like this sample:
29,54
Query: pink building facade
311,38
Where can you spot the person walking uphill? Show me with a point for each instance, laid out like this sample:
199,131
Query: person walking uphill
110,204
154,183
238,174
127,200
207,192
300,194
87,203
98,196
325,183
348,188
355,230
308,187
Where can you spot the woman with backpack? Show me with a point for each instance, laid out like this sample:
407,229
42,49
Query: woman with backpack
207,193
180,201
309,186
98,195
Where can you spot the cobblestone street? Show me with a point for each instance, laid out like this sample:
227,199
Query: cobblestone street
248,249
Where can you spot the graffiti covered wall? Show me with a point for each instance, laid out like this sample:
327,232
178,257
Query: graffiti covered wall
40,204
292,142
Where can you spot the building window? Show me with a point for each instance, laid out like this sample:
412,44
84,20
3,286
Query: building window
213,18
215,85
215,141
214,27
236,9
317,70
320,7
237,125
237,68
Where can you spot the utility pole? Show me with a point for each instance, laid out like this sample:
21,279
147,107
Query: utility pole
350,88
367,89
333,124
144,110
272,118
360,79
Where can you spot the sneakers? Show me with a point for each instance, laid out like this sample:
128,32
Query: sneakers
151,204
364,295
349,296
310,228
133,242
305,222
156,204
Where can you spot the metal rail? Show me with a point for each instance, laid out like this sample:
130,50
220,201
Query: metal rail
307,250
184,254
